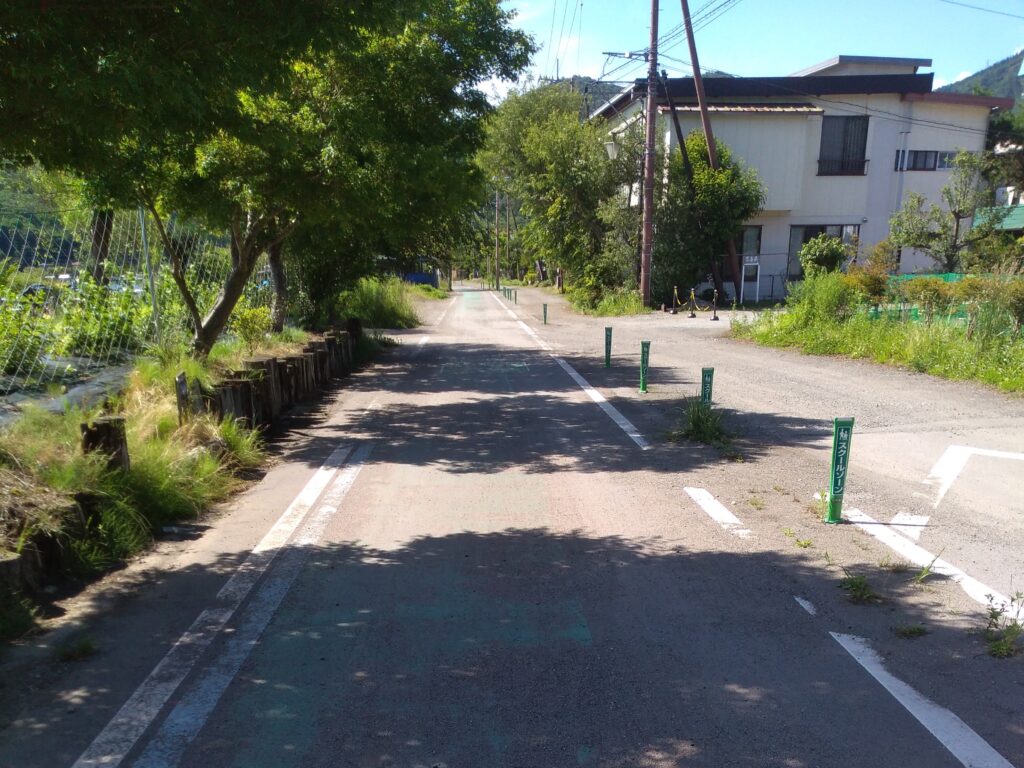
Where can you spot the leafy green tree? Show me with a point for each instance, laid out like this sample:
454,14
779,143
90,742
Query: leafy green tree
945,232
821,254
703,208
556,166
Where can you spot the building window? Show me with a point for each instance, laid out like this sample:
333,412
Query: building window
844,143
917,160
800,235
946,160
748,243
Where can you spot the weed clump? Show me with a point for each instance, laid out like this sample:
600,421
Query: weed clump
702,423
858,589
1003,628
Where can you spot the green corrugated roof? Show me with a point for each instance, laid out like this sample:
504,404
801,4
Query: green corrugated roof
1014,219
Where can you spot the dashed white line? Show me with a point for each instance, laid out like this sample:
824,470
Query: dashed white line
807,605
954,734
610,410
445,313
919,556
190,714
717,512
142,707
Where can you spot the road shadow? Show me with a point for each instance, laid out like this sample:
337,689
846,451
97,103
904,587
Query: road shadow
480,408
532,647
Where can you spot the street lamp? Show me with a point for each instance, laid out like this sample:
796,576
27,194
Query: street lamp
612,148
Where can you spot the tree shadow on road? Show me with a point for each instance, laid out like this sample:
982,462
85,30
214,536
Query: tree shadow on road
481,408
533,647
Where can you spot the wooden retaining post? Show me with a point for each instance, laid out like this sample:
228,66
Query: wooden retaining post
107,435
181,395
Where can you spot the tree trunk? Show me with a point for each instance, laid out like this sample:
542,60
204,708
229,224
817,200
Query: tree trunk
99,248
279,301
716,277
234,286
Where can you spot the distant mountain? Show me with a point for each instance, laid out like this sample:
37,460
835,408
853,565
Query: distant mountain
1004,78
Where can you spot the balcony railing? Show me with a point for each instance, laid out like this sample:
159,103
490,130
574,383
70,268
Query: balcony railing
842,167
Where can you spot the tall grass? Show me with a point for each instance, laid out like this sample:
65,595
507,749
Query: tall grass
426,291
379,303
825,316
618,303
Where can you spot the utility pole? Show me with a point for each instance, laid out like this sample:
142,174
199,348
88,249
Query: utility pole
508,261
497,259
709,136
647,236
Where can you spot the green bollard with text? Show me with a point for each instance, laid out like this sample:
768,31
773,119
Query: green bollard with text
841,439
607,347
645,359
707,379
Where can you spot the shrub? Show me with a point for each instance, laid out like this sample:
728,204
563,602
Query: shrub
100,322
825,297
821,254
1011,298
24,334
252,324
929,293
379,303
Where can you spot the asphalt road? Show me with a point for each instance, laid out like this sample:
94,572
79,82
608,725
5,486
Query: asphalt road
484,552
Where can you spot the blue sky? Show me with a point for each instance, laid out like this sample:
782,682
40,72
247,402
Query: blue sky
771,37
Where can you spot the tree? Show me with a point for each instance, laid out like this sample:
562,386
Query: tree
351,115
702,209
539,151
944,232
822,254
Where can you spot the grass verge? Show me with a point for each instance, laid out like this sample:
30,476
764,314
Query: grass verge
82,517
823,317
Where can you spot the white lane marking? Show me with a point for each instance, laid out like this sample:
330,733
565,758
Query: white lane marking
445,313
919,556
610,410
807,605
910,525
954,734
190,714
952,463
142,707
717,512
420,345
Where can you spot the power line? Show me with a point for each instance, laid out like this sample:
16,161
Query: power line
551,34
979,8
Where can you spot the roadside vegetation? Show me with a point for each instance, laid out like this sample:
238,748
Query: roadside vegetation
968,329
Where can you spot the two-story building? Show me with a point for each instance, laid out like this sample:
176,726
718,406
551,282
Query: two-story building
837,146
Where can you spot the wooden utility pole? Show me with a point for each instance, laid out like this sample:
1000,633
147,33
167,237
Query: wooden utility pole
497,257
647,228
709,136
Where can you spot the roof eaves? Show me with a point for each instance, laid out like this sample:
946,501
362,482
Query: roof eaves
847,59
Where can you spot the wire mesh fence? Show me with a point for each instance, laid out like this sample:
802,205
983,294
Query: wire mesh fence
84,290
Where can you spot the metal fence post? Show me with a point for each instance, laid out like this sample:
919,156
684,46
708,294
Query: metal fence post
149,272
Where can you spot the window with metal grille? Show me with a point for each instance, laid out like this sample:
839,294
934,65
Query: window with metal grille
844,142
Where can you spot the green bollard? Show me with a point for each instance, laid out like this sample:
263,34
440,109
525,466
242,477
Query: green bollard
515,296
841,439
707,379
545,314
645,358
607,347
